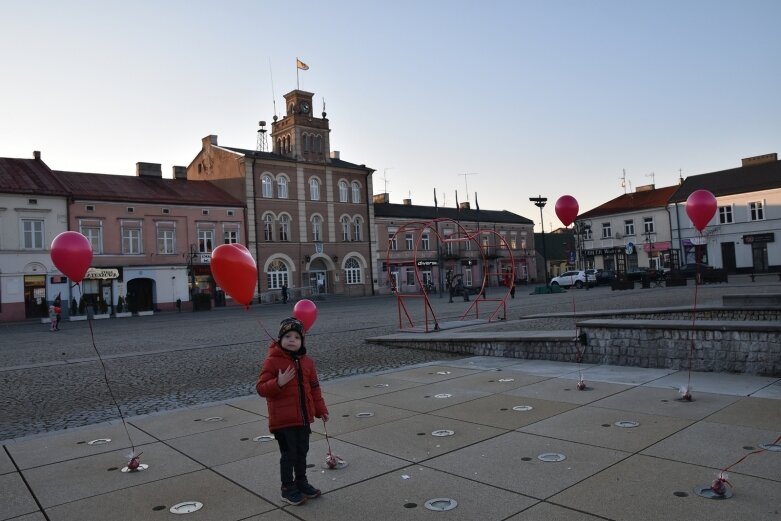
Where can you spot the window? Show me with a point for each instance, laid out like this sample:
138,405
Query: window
284,228
424,241
282,187
343,191
408,241
607,231
352,271
648,225
277,275
93,235
230,213
317,228
90,207
357,229
513,241
725,214
32,234
166,210
268,227
166,241
345,228
267,189
131,241
449,248
205,241
629,227
314,189
392,244
230,236
130,209
756,211
204,212
356,192
410,277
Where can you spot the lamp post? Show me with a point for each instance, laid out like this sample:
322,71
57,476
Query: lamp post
582,229
539,202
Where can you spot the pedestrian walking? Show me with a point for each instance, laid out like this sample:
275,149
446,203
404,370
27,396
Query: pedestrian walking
288,382
284,293
512,291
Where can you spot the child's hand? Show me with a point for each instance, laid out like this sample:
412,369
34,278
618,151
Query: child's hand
285,376
325,417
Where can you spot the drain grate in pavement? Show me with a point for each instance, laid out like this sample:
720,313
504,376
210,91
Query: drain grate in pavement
551,457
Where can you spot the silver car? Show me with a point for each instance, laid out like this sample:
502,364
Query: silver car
570,278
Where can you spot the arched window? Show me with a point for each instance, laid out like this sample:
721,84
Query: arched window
306,142
277,275
282,187
352,271
268,227
279,145
345,228
267,186
284,228
314,189
343,191
357,227
356,192
317,228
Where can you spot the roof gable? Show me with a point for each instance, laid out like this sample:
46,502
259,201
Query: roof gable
633,202
741,180
28,176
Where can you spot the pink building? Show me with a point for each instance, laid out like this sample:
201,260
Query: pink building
151,237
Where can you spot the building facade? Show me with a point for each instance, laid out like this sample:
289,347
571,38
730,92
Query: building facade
33,211
742,237
629,232
441,253
309,213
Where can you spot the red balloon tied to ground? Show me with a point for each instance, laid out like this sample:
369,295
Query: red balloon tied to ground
701,207
235,271
71,252
305,311
567,209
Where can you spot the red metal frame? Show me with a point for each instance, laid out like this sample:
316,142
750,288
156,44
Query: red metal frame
462,235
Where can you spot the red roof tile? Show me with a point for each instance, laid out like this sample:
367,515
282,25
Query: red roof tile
632,202
28,176
107,187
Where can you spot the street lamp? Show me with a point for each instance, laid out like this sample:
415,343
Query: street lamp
539,202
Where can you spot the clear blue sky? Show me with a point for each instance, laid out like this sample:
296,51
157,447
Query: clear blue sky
536,97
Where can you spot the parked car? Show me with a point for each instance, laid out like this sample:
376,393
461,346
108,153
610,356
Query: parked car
591,277
637,273
605,276
570,278
689,270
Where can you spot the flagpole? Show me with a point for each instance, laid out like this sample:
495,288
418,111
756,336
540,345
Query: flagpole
297,87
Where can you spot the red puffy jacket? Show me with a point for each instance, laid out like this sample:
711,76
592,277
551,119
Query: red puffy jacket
284,403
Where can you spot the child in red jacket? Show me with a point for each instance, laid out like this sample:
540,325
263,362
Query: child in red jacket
288,382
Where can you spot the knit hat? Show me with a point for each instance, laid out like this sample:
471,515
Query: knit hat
291,324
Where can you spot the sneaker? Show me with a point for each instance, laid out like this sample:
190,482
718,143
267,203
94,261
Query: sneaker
308,490
292,495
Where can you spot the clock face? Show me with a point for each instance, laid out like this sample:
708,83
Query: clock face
304,107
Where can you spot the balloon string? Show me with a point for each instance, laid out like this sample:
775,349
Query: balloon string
694,313
327,441
579,357
108,385
749,454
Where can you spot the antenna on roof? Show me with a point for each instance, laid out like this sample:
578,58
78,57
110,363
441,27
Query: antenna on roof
385,178
273,97
680,176
653,178
623,179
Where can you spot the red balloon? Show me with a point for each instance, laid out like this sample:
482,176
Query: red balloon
305,311
235,271
71,252
567,209
701,207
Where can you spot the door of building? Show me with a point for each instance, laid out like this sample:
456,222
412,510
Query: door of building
728,256
759,254
35,296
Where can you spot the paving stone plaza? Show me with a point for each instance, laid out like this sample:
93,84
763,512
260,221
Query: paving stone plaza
504,439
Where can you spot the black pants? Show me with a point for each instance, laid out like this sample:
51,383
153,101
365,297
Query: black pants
293,447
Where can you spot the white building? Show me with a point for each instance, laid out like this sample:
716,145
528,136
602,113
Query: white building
33,211
741,235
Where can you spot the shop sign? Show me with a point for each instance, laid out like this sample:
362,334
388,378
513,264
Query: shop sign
427,263
204,258
601,251
102,273
759,237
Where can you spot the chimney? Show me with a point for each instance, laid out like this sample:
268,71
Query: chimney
380,198
645,188
334,154
37,155
211,139
759,160
407,202
149,170
180,172
464,205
